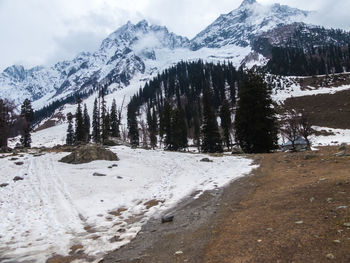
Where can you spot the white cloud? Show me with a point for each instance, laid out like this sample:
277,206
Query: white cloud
42,32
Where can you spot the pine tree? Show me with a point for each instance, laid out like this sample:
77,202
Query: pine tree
178,130
255,122
7,119
27,116
70,131
226,122
86,124
166,125
152,127
115,132
104,127
96,132
133,126
211,140
79,123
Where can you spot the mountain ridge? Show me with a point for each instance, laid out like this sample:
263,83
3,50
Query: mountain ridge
145,49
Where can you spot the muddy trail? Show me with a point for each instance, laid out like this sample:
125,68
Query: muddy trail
294,208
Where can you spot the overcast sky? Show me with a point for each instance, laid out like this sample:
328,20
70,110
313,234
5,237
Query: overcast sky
42,32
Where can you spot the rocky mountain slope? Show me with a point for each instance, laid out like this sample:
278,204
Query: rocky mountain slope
139,51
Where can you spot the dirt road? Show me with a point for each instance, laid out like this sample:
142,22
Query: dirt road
294,208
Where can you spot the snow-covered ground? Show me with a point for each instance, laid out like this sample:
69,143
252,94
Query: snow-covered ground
296,91
335,137
58,205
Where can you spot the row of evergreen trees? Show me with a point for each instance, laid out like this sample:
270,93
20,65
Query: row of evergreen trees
187,100
320,60
12,124
105,123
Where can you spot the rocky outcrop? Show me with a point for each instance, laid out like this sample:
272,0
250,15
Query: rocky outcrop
89,153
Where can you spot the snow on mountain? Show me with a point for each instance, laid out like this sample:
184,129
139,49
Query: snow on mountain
120,57
137,52
249,20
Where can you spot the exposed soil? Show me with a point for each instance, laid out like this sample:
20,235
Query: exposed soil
326,110
294,208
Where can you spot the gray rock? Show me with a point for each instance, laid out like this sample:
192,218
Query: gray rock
340,154
206,160
19,163
3,185
310,156
18,178
237,150
89,153
99,175
167,219
347,224
330,256
343,147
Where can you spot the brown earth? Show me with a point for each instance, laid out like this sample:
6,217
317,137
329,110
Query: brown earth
292,209
326,110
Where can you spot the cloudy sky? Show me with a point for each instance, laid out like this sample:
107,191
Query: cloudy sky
42,32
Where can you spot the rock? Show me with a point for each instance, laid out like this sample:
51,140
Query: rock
19,163
3,185
13,159
178,253
17,178
112,166
347,224
5,149
329,200
330,256
119,177
336,241
342,207
206,160
312,199
343,147
340,154
299,222
89,153
167,219
310,156
237,150
99,175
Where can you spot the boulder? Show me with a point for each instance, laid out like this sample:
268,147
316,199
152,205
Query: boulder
237,150
3,185
89,153
19,163
99,174
167,219
17,178
343,147
5,149
206,160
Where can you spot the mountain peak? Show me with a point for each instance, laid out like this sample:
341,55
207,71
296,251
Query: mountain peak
247,2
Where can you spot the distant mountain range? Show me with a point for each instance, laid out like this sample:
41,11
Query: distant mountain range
139,51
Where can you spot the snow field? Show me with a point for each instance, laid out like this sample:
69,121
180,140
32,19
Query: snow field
59,205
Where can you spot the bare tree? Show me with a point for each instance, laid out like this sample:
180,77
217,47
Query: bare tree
290,129
305,129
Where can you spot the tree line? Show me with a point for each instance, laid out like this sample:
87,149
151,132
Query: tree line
104,125
321,60
12,123
186,102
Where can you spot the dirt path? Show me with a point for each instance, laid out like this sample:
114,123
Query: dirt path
294,208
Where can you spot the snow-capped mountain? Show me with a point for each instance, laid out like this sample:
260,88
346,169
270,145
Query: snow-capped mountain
138,51
120,56
240,26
